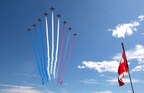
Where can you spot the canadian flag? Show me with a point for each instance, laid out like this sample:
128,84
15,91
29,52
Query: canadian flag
122,69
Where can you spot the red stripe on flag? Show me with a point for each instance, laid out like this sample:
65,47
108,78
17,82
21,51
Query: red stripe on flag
122,69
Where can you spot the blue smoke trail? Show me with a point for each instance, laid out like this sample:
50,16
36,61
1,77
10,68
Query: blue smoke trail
37,59
38,44
44,52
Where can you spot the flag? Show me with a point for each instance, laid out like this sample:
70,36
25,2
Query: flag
122,69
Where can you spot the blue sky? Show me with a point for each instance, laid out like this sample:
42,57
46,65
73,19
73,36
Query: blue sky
101,26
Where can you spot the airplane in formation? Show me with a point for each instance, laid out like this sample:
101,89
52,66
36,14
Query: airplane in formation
58,15
46,14
52,8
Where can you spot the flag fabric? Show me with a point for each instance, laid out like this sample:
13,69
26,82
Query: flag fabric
122,69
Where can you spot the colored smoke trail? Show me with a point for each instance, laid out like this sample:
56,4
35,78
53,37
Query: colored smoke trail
38,44
63,64
51,48
52,53
48,52
61,48
43,51
71,48
66,46
56,55
36,55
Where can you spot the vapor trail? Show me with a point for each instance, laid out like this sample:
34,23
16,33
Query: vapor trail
36,55
48,53
38,44
44,51
52,53
66,46
63,60
56,55
71,48
65,66
61,48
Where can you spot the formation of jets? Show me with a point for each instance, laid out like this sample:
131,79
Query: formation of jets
46,14
64,23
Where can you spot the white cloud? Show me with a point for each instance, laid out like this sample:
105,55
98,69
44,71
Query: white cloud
105,76
48,91
138,68
92,82
25,75
20,89
81,67
133,54
126,80
64,91
104,66
141,17
112,81
89,81
136,53
129,91
15,86
124,29
103,92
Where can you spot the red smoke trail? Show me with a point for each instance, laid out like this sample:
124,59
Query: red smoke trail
61,48
65,52
65,66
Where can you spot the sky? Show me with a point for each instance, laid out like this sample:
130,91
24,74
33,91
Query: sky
101,26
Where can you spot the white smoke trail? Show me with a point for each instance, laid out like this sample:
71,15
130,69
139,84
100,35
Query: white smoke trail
48,54
56,54
52,53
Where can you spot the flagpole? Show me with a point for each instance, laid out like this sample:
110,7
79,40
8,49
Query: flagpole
128,68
